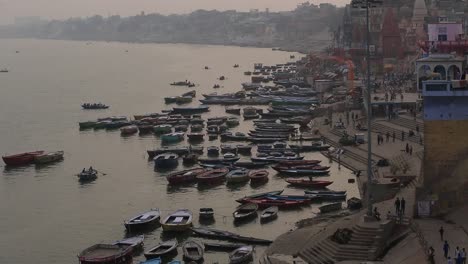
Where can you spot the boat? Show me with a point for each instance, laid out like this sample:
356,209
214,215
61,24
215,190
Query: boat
301,171
143,220
269,214
244,149
238,136
323,192
166,160
48,157
238,176
180,128
183,83
94,106
308,183
232,110
222,246
227,158
172,137
212,151
190,110
193,251
87,124
221,234
258,175
354,203
179,220
260,195
222,78
5,70
249,164
195,136
144,128
245,211
190,158
274,159
248,73
152,261
241,255
106,253
206,213
186,176
250,115
162,129
317,146
329,197
183,99
330,207
162,249
192,93
196,128
135,242
128,130
228,148
232,122
270,201
175,150
87,175
298,162
22,158
212,176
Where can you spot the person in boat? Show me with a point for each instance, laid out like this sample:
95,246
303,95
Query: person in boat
84,170
91,169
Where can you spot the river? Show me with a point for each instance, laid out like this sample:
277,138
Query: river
47,215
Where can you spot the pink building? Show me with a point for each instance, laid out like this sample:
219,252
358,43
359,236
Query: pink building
445,31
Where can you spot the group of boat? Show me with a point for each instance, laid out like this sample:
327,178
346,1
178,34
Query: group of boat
183,83
182,99
37,157
92,106
216,174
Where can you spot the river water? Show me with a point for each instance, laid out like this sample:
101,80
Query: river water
47,215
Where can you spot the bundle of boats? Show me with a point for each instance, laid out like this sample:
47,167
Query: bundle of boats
183,99
37,157
94,106
216,175
183,83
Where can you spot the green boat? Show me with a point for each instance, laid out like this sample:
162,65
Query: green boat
87,124
232,122
183,99
172,137
170,100
162,129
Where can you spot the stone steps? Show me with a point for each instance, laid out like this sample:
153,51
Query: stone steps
408,123
378,127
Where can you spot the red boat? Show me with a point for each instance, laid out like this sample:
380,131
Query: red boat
107,254
265,202
185,176
211,176
308,183
21,159
258,175
298,162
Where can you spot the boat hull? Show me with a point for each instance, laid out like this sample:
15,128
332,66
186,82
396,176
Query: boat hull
21,159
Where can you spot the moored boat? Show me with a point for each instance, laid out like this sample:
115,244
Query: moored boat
244,149
143,220
258,175
221,234
241,255
330,207
269,214
22,158
166,160
195,136
308,183
87,124
281,203
206,213
172,137
260,195
232,122
185,176
238,176
354,203
162,249
298,162
250,164
233,110
191,110
193,250
179,220
48,157
301,171
222,246
128,130
162,129
212,151
106,254
190,158
246,211
212,176
94,106
135,242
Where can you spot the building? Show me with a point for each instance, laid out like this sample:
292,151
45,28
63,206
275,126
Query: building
444,67
445,31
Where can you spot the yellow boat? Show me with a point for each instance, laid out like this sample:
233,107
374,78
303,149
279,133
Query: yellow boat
179,220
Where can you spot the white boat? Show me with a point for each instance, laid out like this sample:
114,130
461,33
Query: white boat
237,176
241,255
179,220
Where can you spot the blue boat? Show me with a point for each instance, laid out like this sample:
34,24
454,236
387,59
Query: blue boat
152,261
175,262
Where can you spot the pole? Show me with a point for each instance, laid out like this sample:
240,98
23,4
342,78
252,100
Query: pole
369,113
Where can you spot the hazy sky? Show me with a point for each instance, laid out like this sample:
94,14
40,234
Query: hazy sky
9,9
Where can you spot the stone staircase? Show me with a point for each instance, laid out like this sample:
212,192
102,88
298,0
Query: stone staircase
320,253
378,127
408,123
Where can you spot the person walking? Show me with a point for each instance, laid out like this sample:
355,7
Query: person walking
402,135
393,136
402,206
407,148
397,205
456,255
446,248
411,150
463,256
387,135
441,232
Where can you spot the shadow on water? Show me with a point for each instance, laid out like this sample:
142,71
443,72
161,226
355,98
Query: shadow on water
205,187
236,186
258,184
180,188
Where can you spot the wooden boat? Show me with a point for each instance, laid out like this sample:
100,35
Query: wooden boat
135,242
195,136
190,110
193,250
183,99
245,212
181,83
48,157
232,122
308,183
175,150
152,261
222,246
106,254
179,220
162,129
162,249
273,159
241,255
249,164
87,175
143,220
21,159
258,175
223,160
238,176
190,159
232,110
298,162
221,234
144,128
212,151
244,149
329,197
322,192
192,93
128,130
87,124
260,195
278,167
206,213
228,148
238,136
172,137
166,160
93,106
185,176
269,214
180,128
330,207
212,176
302,172
281,203
354,203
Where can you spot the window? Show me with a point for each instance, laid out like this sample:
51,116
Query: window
436,87
442,37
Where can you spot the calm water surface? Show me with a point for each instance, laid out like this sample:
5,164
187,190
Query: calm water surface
47,216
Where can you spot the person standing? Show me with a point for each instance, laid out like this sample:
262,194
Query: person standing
463,256
441,232
411,150
393,136
402,135
446,248
397,205
402,206
407,148
456,255
387,135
